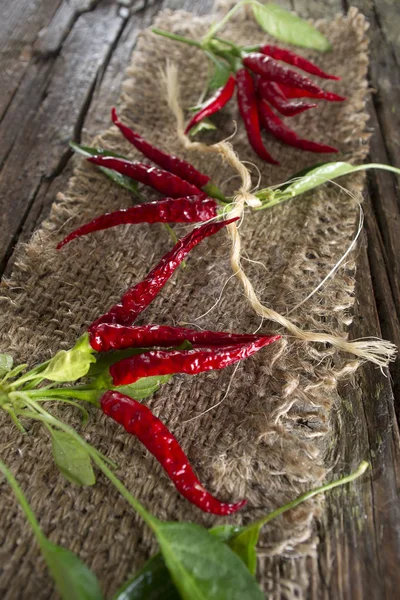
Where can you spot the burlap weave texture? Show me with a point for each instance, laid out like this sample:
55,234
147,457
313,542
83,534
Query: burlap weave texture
267,440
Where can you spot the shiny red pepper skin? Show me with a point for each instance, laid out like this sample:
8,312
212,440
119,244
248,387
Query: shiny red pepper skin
192,209
164,182
107,337
214,104
191,362
247,101
137,298
291,58
273,71
274,125
270,91
139,421
173,164
293,92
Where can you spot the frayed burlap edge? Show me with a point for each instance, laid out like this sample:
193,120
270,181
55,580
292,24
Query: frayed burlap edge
268,437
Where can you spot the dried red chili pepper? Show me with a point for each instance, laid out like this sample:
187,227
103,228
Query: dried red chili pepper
107,337
192,209
137,298
293,92
273,124
191,362
273,71
270,91
214,104
138,420
173,164
164,182
247,102
291,58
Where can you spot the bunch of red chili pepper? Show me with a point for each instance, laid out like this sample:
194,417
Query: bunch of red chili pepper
263,81
209,350
191,194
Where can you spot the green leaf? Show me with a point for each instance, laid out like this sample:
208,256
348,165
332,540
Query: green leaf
70,365
6,363
244,545
74,580
318,176
220,75
153,582
72,459
204,125
121,180
143,387
289,28
299,174
202,567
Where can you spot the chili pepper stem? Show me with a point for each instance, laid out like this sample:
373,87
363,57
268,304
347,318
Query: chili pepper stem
176,37
212,190
364,465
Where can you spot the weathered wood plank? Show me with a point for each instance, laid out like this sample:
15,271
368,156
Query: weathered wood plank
48,112
360,532
20,24
360,548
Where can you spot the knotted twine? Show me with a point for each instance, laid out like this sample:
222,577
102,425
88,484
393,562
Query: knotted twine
267,439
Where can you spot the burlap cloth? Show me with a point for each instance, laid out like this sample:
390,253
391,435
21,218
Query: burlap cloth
268,439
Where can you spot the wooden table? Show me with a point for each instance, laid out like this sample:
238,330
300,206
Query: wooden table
62,62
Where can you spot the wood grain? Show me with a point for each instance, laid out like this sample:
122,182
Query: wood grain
58,82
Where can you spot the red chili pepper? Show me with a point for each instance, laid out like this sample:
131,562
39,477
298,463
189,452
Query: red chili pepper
273,71
274,125
191,209
173,164
293,92
162,181
107,337
294,59
270,91
191,362
247,102
137,298
214,104
138,420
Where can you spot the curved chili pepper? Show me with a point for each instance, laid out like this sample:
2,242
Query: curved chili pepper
293,92
270,69
164,182
137,298
191,209
191,362
247,102
274,125
270,91
107,337
214,104
138,420
173,164
291,58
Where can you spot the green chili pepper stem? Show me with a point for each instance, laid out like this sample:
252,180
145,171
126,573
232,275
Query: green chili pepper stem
306,496
79,393
212,190
177,38
237,49
24,504
214,28
30,375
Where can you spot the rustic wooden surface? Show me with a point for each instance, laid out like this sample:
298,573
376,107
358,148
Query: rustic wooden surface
61,66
